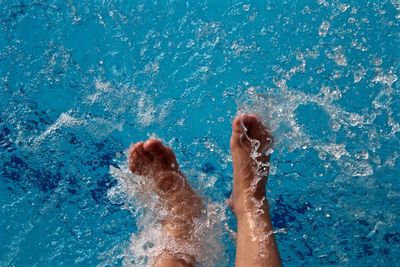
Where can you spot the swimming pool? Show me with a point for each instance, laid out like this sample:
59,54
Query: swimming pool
81,80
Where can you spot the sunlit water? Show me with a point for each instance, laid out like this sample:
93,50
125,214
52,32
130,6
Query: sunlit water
81,80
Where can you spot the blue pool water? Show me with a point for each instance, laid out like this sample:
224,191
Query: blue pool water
81,80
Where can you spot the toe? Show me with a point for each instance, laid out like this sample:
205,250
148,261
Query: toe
250,123
136,146
244,121
254,129
170,158
135,162
236,132
242,124
146,156
160,152
236,124
154,147
138,158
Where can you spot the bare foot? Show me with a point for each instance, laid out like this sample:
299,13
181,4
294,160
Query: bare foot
153,160
250,146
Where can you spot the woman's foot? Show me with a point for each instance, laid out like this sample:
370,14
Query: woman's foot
153,160
250,147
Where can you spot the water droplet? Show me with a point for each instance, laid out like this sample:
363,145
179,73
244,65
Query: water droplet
324,28
339,57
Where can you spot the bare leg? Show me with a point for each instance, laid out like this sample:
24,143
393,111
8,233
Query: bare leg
153,160
256,244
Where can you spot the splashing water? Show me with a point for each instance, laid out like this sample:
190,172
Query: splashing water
151,241
81,80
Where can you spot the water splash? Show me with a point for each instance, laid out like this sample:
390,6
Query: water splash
151,241
89,78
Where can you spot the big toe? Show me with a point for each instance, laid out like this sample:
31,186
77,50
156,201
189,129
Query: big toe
161,154
242,125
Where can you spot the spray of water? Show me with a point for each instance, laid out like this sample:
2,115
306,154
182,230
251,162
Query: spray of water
152,240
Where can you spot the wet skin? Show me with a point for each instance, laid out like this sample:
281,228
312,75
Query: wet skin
256,244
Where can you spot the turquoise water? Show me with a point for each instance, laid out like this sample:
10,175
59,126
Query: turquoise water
81,80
